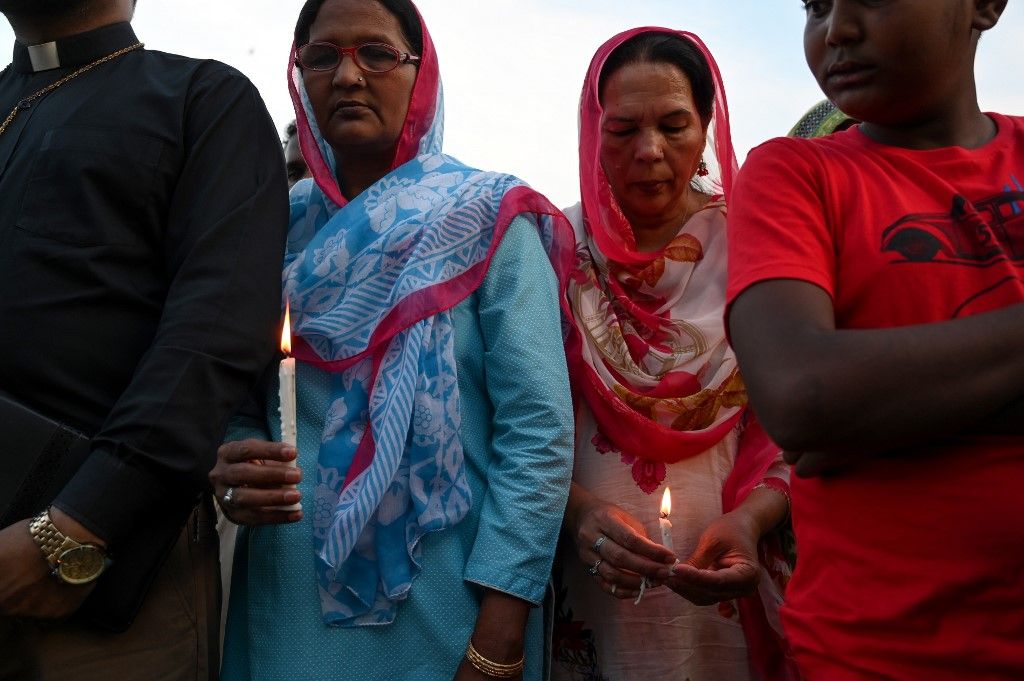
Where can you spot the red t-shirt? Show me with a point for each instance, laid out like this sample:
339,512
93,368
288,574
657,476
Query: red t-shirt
908,569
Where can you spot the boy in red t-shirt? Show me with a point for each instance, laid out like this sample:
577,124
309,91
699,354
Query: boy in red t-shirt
876,287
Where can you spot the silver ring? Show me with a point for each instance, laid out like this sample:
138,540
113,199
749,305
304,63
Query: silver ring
615,587
599,543
229,497
592,570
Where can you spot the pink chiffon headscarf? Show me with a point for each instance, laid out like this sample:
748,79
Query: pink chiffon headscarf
608,226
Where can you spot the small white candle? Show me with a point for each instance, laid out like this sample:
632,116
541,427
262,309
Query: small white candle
286,393
666,535
664,522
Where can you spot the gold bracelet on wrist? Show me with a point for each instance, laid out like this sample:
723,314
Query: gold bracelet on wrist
493,669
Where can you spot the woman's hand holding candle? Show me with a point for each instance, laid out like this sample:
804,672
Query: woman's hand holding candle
725,566
626,554
262,492
256,481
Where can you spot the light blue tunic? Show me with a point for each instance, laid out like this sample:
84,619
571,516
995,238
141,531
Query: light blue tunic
517,433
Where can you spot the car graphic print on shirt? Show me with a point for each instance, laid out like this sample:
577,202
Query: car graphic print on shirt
976,234
980,235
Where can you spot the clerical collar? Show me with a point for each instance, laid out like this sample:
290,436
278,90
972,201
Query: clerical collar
74,50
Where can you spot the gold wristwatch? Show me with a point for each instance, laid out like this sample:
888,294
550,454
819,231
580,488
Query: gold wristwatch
70,561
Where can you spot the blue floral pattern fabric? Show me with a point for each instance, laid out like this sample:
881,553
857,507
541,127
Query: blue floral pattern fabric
400,250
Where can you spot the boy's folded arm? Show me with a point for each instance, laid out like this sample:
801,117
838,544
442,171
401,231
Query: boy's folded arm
819,389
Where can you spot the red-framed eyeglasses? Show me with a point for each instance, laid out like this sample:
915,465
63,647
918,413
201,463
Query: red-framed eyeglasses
370,57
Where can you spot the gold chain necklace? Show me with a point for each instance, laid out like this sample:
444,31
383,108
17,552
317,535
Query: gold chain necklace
27,102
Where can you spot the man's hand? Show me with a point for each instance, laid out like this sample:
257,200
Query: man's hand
27,588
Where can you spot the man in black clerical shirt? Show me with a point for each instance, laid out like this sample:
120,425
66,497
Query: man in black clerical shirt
142,216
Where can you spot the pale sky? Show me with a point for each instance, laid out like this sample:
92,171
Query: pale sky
512,70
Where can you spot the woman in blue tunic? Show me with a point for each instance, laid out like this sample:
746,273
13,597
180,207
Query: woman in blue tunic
434,415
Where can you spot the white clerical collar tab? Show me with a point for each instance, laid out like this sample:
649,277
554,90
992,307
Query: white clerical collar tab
44,57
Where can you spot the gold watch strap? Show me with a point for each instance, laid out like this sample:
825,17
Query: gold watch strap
51,541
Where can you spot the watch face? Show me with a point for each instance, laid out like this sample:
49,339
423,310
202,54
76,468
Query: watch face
81,565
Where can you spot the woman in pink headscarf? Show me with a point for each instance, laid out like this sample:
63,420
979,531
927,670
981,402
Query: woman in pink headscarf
663,404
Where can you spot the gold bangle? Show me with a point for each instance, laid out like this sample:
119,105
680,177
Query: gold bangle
493,669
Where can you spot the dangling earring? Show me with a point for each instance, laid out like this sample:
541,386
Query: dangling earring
702,169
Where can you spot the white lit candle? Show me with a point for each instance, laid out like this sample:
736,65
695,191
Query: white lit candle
286,392
664,522
666,535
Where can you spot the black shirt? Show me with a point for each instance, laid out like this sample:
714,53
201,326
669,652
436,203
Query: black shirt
143,208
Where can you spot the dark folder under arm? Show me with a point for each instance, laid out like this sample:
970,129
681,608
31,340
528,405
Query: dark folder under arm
37,458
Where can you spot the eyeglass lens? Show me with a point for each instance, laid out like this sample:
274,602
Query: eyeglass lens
369,57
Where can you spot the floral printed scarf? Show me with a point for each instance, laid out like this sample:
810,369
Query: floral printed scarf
656,368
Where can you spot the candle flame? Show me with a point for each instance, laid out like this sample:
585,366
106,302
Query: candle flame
286,332
666,503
